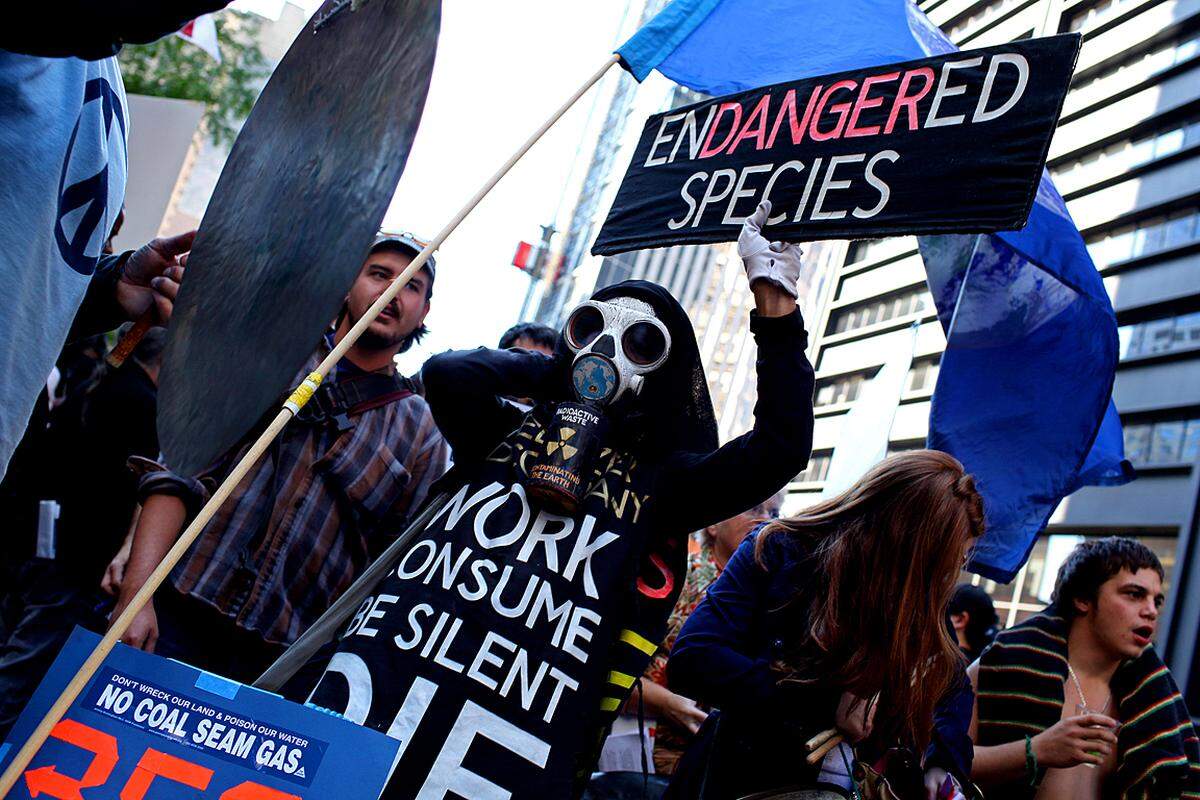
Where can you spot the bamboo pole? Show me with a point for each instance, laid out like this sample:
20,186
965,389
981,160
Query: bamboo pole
293,405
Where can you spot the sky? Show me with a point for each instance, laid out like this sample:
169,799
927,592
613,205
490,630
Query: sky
501,70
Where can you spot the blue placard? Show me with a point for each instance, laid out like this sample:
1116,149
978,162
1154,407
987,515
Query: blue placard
149,727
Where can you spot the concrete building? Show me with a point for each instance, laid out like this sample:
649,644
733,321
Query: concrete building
1126,157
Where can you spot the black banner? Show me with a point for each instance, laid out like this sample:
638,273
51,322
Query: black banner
950,144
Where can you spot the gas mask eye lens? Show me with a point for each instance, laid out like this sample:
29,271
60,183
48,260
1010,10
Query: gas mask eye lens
644,344
584,326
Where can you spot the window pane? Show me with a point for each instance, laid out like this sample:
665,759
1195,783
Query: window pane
1153,237
1186,50
916,376
1141,151
1124,337
1137,443
1119,246
1187,330
1192,134
1157,335
1180,230
824,395
1167,443
1191,441
1168,142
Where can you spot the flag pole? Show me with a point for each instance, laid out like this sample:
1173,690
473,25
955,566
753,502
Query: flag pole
293,405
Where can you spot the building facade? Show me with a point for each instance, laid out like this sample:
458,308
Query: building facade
1126,158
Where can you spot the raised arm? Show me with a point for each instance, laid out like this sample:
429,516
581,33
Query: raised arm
698,489
464,389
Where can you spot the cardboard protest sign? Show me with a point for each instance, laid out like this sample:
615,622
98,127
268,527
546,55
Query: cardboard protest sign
151,727
950,144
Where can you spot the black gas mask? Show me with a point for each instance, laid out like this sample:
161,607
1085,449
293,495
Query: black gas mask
615,343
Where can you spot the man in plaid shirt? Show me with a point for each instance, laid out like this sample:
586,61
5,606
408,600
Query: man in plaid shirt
314,511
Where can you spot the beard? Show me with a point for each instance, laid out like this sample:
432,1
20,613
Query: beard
375,340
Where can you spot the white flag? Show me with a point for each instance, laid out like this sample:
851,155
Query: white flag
865,430
202,32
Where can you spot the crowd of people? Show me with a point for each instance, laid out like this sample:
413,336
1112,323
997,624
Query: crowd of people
565,499
753,632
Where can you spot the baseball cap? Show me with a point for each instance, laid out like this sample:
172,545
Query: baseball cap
409,243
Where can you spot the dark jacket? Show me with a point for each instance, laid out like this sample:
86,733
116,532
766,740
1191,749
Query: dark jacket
723,657
99,491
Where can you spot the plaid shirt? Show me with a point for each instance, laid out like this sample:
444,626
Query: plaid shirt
311,515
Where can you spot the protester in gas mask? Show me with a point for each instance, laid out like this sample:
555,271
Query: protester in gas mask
529,603
833,618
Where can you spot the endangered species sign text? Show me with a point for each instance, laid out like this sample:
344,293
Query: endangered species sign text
950,144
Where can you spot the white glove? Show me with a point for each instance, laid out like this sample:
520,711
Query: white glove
777,262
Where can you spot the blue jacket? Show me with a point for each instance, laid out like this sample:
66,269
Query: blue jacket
723,657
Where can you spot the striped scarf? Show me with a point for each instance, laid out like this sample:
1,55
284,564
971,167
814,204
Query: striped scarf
1021,683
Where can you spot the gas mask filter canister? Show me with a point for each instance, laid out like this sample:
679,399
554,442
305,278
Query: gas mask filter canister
616,344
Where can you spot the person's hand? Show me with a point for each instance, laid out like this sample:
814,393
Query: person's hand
935,780
142,633
1085,739
774,262
685,713
855,717
115,572
152,275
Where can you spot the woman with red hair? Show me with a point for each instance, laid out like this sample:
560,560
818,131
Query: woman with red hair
835,617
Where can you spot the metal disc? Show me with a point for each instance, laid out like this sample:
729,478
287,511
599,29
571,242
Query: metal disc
293,214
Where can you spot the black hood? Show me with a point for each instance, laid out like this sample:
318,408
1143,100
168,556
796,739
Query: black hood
674,411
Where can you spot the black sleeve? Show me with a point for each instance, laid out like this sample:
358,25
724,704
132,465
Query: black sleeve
99,312
464,389
698,489
950,747
95,29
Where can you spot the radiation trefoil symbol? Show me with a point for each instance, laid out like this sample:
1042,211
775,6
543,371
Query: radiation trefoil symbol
568,451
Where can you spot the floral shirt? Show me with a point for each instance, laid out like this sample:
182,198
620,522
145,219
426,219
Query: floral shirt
670,740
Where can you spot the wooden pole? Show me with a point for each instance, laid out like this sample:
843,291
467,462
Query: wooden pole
131,339
293,405
832,739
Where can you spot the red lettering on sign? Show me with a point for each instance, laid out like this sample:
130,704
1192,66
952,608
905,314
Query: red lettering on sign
905,100
863,103
45,780
750,131
254,791
154,764
838,109
788,108
708,150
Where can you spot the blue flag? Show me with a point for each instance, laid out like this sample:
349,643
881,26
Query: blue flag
1023,396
